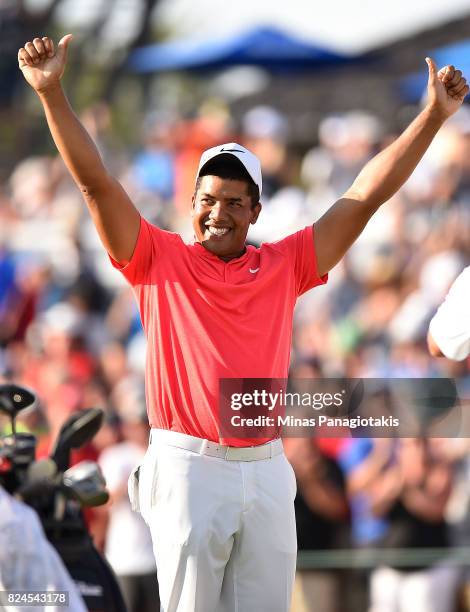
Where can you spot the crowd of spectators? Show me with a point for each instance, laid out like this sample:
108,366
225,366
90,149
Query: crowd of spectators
70,330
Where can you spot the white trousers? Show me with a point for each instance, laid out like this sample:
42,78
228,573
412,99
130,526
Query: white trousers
223,531
430,590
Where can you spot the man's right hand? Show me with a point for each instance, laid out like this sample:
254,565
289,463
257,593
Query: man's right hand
43,66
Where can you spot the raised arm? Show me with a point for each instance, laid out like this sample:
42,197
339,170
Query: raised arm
114,215
383,175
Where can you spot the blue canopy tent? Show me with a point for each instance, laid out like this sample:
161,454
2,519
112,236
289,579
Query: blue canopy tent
265,47
413,86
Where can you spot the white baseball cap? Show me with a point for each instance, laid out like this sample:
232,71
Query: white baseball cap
248,160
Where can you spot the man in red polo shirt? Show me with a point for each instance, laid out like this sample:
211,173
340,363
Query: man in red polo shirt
220,510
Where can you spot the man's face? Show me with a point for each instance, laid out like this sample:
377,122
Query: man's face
222,213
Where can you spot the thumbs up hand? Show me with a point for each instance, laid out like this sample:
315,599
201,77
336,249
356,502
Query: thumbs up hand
41,64
447,89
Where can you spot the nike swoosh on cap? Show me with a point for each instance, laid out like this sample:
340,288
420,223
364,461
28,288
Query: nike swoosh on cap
231,150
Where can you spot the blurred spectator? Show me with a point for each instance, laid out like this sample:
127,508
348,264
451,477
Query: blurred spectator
399,492
321,510
265,132
131,557
153,167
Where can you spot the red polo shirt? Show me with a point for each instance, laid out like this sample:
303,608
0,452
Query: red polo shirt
206,319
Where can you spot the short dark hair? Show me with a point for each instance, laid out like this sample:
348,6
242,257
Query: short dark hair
227,166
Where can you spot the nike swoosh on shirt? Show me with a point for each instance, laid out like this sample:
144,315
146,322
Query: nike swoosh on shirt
254,271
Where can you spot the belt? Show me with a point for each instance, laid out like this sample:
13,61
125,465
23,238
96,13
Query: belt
206,447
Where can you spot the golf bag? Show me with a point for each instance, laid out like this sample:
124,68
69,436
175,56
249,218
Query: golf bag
59,492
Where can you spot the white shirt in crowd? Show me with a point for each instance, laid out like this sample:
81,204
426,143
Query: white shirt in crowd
28,562
450,326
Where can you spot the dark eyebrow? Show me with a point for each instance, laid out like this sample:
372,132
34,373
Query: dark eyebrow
208,195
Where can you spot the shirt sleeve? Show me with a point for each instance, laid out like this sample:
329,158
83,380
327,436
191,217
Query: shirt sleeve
300,249
32,563
450,326
152,244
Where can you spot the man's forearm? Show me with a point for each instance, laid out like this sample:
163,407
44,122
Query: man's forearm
113,213
383,175
72,140
342,224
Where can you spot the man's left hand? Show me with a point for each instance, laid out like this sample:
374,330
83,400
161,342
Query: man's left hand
447,89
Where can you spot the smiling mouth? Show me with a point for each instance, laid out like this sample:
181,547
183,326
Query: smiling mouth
217,232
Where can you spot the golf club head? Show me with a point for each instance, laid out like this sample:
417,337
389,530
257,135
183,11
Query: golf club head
13,399
77,430
85,483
